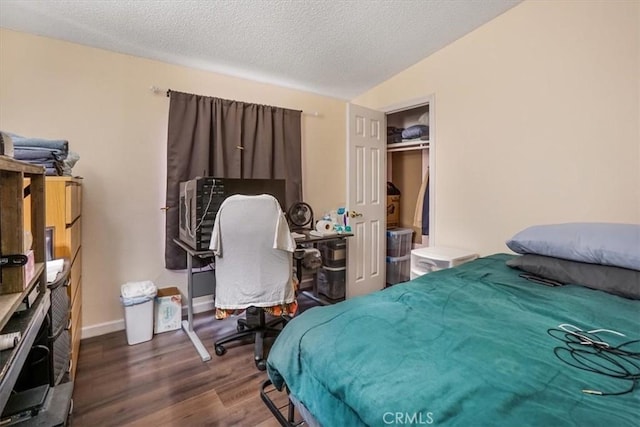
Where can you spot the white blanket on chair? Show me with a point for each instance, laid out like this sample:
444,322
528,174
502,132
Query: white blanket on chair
253,248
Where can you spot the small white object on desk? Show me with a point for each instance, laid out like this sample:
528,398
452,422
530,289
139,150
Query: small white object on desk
324,225
297,235
324,228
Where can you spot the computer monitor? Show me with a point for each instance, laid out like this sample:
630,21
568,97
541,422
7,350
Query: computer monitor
200,200
252,187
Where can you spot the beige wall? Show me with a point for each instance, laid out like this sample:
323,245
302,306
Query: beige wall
537,117
100,101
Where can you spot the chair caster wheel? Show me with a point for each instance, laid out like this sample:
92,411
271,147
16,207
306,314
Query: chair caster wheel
220,350
261,364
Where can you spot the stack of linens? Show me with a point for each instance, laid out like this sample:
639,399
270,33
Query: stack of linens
394,134
601,256
416,131
52,154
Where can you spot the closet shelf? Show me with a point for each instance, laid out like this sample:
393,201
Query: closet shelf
408,144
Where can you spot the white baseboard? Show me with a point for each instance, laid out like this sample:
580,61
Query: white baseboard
118,325
200,306
102,328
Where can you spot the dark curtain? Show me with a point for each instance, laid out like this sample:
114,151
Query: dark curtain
227,139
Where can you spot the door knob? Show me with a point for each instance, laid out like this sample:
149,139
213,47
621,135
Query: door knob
354,214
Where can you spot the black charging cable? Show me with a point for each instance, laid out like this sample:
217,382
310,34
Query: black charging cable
590,352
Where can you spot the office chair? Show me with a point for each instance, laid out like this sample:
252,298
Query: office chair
253,248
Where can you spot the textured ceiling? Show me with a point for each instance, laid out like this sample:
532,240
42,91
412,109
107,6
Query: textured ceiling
338,48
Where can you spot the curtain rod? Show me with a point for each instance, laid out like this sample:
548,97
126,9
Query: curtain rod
156,90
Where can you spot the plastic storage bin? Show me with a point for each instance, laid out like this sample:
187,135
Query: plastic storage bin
398,269
137,298
334,253
433,258
415,274
331,282
399,242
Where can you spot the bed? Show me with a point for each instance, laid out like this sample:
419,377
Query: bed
473,345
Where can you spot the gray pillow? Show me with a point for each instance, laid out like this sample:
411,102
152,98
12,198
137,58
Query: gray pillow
595,243
614,280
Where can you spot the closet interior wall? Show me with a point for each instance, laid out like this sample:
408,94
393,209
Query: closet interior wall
406,169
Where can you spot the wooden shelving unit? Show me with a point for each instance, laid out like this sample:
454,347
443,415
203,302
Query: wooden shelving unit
12,207
13,284
10,302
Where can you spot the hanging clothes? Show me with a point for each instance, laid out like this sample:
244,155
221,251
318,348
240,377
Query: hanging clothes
425,212
421,215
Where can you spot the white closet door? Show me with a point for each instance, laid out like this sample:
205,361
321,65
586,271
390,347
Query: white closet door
366,195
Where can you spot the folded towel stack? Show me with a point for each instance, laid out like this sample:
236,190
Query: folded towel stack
53,154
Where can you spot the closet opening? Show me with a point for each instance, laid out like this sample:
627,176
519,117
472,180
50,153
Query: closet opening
410,170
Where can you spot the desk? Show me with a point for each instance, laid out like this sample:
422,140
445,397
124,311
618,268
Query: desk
310,239
192,292
198,288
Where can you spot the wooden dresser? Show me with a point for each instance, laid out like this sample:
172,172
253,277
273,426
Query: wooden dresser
64,214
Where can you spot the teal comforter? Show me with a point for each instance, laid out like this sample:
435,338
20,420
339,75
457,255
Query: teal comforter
464,347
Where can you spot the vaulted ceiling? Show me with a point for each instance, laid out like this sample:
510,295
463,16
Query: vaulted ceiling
338,48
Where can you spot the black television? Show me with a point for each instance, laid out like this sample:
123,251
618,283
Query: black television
200,200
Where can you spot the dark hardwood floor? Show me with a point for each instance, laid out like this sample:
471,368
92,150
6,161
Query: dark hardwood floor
163,382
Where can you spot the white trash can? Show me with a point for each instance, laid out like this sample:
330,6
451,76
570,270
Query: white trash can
137,298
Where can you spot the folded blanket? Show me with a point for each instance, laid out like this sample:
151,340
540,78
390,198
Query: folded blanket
34,153
51,144
52,171
415,131
53,154
52,167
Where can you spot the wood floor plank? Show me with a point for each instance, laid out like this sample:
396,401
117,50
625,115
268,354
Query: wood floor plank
163,382
198,410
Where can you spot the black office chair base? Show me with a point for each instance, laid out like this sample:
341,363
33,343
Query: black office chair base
261,364
257,332
220,350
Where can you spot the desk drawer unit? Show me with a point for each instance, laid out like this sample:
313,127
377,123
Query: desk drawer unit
334,253
331,282
434,258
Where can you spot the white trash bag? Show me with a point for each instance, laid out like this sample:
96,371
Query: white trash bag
134,293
